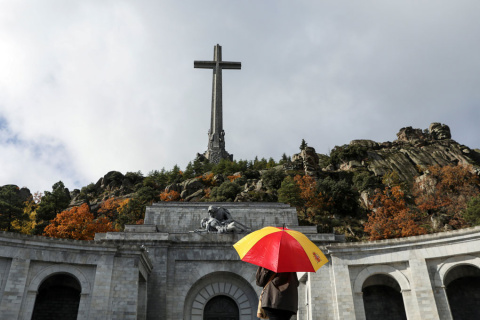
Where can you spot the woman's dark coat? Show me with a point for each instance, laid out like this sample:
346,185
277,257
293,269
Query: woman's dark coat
281,292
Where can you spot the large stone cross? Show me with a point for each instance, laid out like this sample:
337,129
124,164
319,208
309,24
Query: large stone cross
216,141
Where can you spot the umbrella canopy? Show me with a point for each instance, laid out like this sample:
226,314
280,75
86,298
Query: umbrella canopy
280,250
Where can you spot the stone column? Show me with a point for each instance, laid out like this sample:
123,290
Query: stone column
443,305
157,288
359,306
320,293
142,298
343,295
11,303
125,292
83,306
426,308
27,309
409,303
100,305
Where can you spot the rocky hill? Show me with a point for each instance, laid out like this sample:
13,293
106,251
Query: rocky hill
413,150
408,155
353,170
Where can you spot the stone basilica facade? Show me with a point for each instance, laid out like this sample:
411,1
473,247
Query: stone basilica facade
165,270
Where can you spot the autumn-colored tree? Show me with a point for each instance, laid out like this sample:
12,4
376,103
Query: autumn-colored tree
171,195
110,208
308,192
208,179
234,177
132,211
77,223
390,217
207,192
26,226
445,192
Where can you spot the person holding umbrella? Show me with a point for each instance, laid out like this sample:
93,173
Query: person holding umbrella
279,298
279,253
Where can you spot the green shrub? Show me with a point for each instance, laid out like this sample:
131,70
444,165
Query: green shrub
272,179
347,153
227,191
472,213
365,180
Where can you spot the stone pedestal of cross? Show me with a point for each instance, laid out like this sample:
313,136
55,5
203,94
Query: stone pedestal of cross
216,136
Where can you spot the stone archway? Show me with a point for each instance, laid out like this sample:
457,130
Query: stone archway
384,280
463,292
382,298
58,298
443,276
50,271
221,284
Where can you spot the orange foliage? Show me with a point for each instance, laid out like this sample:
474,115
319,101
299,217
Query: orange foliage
207,179
446,190
172,195
77,223
390,216
234,177
111,207
207,192
308,191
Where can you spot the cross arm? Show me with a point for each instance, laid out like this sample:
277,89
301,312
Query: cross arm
204,64
230,65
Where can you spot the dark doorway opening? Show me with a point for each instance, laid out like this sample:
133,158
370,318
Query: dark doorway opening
382,299
221,308
463,292
58,298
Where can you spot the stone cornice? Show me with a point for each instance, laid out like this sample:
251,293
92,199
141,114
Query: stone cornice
436,239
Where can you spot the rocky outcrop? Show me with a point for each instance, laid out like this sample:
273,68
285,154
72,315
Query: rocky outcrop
413,151
408,155
306,160
439,131
190,187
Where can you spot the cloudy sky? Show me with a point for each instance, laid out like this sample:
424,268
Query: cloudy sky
87,87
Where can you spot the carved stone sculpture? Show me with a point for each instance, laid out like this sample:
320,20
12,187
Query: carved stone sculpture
213,225
219,213
220,221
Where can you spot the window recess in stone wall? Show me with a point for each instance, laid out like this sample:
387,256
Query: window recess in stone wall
463,291
382,298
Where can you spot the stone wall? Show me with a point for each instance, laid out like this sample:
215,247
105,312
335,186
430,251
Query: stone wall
104,272
419,265
178,217
147,272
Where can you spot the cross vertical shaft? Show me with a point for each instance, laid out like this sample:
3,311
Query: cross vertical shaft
216,141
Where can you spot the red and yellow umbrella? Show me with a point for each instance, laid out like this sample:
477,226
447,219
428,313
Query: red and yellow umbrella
280,250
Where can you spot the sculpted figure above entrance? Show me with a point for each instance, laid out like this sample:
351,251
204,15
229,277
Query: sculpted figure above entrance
220,221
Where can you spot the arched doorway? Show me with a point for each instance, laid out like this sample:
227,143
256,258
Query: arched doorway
383,299
463,292
58,298
221,308
220,284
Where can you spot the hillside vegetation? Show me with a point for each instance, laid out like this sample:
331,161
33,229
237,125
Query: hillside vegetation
422,182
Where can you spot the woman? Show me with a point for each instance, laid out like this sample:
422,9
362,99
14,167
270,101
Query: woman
280,298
